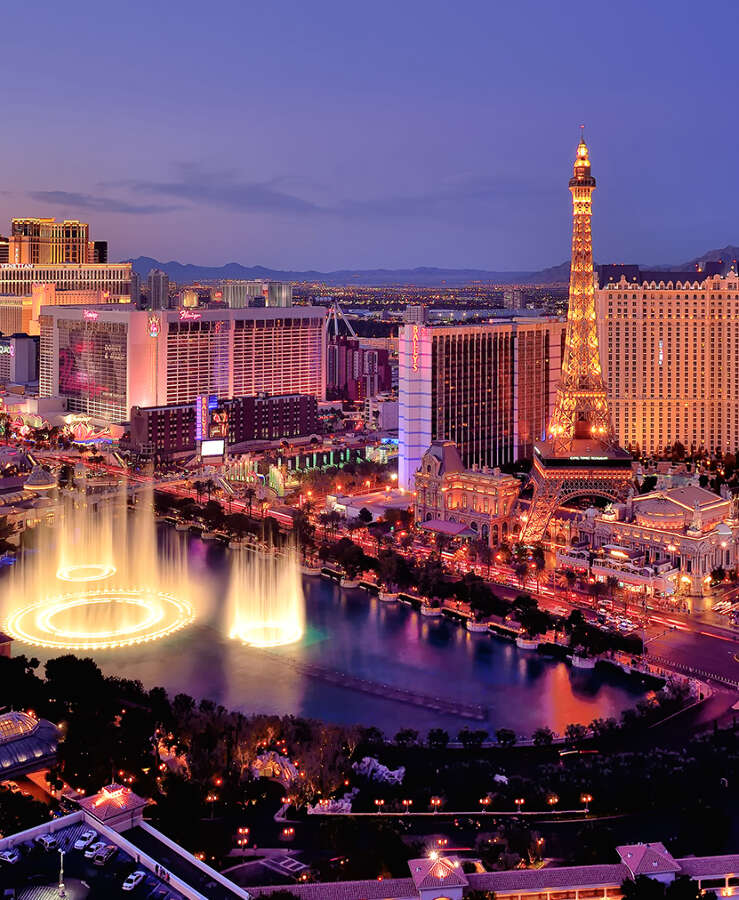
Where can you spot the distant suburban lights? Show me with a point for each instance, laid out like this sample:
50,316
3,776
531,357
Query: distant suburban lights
414,348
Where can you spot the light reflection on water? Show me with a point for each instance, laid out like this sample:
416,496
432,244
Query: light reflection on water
385,643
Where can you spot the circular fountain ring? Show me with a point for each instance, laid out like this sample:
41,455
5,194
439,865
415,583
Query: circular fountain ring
83,573
266,634
134,616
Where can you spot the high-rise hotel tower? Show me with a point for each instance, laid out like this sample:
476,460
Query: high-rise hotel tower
670,350
489,388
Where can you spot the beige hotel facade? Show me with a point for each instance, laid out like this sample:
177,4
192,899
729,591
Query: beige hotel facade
669,344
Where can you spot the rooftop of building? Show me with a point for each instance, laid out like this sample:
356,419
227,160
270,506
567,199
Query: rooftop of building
26,744
583,452
450,529
434,877
115,815
687,497
635,274
497,319
446,455
113,800
115,311
37,873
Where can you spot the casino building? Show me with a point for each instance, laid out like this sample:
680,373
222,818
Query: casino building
171,430
17,279
489,388
669,343
102,360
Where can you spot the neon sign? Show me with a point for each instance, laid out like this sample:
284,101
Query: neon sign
90,314
154,325
188,314
7,349
414,348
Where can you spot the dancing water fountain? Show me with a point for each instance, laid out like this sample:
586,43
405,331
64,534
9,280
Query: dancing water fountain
265,599
98,579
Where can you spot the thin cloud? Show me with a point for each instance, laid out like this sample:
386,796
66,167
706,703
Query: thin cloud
99,204
226,191
457,198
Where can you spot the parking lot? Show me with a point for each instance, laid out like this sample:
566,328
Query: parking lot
39,869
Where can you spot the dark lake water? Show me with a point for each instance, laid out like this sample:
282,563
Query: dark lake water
389,643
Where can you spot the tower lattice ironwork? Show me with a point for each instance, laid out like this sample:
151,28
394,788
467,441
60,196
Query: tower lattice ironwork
580,454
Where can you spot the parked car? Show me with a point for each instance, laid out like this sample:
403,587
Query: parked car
134,880
93,849
84,840
102,857
11,856
46,841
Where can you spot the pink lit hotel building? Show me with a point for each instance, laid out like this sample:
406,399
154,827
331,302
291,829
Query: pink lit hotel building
102,360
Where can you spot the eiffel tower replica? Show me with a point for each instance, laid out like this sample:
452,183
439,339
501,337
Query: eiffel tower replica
580,455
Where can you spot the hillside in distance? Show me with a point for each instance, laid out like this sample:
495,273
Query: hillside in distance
424,276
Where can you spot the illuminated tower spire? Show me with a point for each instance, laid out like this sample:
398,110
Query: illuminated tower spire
580,456
581,406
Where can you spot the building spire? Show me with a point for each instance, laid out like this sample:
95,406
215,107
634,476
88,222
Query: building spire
581,407
581,169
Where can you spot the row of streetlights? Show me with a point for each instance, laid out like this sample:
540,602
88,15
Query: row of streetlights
435,802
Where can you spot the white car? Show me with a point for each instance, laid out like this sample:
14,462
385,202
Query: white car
47,841
134,880
84,840
93,849
11,856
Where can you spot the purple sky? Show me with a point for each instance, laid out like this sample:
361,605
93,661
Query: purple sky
317,134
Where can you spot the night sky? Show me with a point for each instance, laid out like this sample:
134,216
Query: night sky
326,135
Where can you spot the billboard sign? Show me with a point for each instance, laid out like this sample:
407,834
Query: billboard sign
213,448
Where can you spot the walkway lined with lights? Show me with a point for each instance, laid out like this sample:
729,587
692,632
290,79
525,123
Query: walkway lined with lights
386,691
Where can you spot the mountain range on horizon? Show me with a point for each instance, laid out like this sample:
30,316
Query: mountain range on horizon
423,276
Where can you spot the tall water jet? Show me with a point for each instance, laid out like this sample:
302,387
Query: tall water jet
118,589
265,599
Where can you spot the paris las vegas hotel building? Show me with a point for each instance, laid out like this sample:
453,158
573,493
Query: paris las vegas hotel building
669,344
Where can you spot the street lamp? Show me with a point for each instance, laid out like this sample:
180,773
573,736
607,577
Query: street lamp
407,804
519,801
62,892
435,803
552,800
379,804
586,800
484,802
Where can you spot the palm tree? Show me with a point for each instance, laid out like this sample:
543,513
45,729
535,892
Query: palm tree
249,494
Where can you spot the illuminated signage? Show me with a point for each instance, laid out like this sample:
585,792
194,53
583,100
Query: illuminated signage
201,417
218,424
7,350
213,448
155,326
414,348
188,314
90,314
589,457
